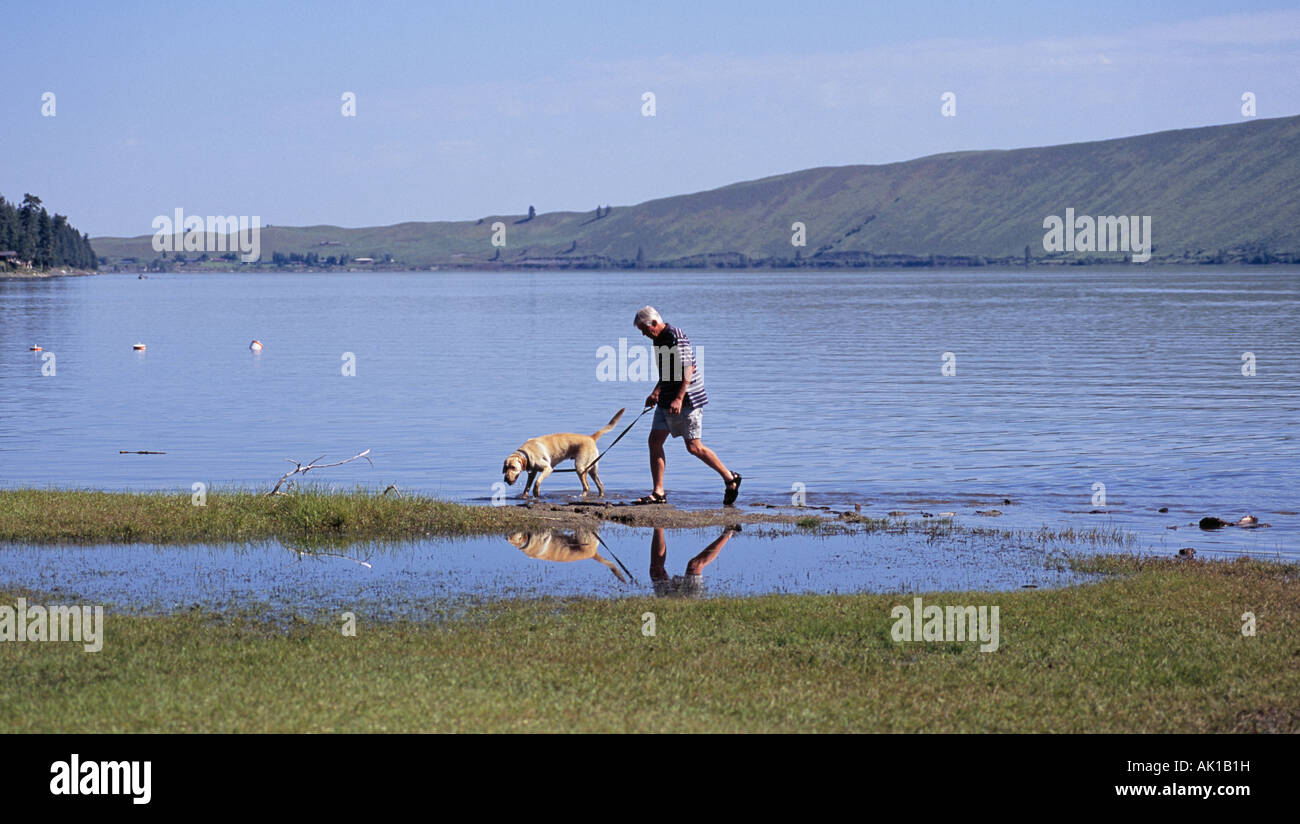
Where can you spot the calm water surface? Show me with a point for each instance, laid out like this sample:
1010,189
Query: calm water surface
1064,379
423,579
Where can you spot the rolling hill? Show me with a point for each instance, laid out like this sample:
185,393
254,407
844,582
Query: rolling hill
1215,194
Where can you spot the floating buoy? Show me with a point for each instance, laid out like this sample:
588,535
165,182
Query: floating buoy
139,347
256,346
36,348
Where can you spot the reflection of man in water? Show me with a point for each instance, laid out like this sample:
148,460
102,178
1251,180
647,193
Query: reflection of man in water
690,585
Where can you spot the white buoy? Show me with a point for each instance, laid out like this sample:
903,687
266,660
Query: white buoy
256,346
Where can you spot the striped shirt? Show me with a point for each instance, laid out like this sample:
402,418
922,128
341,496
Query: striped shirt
673,353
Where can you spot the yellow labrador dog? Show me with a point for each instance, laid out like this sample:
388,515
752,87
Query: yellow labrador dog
539,456
554,545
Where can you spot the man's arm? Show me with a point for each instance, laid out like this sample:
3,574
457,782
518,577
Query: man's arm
676,406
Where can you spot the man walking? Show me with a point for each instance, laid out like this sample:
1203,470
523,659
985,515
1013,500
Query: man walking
679,401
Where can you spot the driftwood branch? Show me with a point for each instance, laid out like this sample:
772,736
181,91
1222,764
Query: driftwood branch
301,553
300,469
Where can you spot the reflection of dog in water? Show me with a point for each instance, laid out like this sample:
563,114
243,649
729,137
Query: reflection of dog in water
690,585
554,545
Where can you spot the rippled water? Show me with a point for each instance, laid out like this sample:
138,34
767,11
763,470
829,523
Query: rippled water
1065,379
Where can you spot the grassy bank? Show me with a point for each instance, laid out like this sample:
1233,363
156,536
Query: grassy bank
315,516
1157,648
39,515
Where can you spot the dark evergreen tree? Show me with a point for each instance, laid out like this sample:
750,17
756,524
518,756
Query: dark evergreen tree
8,219
46,241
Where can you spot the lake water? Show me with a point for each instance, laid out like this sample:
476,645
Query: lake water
829,382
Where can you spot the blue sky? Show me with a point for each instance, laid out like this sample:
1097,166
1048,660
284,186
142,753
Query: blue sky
465,110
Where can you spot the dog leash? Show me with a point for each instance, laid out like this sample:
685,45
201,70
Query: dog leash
611,552
611,446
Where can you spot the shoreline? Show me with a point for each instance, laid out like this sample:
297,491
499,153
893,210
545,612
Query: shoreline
31,274
490,267
54,515
495,267
778,662
1184,662
315,516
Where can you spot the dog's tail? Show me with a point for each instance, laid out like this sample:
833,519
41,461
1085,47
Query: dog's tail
595,436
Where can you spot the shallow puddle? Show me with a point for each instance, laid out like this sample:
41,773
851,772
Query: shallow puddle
429,578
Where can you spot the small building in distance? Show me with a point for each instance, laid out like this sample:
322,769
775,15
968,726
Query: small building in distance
10,260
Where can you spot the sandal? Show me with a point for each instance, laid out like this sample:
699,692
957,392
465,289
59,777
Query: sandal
733,492
652,499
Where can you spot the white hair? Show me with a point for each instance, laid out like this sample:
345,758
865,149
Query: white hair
645,316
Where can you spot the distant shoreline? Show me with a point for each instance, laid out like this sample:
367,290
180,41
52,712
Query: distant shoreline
33,274
672,266
504,268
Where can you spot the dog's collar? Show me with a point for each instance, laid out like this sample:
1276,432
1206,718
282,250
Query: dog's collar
528,462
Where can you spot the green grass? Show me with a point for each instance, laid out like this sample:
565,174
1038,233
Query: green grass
39,516
1157,648
935,529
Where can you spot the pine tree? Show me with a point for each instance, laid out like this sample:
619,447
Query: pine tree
45,255
7,217
28,234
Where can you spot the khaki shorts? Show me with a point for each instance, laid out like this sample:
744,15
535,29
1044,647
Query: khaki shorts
689,424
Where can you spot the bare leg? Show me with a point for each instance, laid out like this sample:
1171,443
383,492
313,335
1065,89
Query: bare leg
699,450
657,460
697,564
658,555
